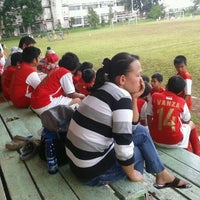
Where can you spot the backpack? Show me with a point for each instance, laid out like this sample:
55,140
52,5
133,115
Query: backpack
55,122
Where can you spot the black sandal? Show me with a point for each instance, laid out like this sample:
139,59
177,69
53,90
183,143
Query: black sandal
173,184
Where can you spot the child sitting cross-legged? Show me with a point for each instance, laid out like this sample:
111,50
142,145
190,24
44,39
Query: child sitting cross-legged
49,62
25,78
169,118
58,88
16,60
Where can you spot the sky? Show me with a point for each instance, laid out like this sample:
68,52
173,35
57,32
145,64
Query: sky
177,3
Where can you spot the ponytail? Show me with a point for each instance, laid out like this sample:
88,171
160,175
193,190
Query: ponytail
118,65
102,74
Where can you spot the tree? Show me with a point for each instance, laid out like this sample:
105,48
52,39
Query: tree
10,11
29,16
27,10
147,5
127,4
110,15
93,18
196,4
102,21
156,12
71,22
143,6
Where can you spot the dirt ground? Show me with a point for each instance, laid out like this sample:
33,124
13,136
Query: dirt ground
196,111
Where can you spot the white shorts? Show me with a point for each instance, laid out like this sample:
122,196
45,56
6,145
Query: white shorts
186,130
62,100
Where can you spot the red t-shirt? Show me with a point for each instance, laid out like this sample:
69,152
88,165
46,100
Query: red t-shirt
166,123
161,89
57,83
188,80
140,103
6,80
83,87
20,90
76,79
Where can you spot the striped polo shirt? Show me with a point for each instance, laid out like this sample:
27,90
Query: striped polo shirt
100,132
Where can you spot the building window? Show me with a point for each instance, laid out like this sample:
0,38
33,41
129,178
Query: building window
85,19
85,7
78,20
74,8
94,6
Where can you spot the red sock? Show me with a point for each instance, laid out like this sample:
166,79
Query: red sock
194,141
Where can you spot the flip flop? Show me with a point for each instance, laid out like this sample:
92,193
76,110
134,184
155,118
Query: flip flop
173,184
23,138
30,149
14,145
18,142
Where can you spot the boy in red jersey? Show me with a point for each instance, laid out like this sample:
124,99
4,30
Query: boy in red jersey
25,78
16,60
49,62
180,63
78,73
156,83
58,88
169,118
24,42
86,82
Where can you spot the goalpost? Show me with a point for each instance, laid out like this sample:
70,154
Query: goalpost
174,15
55,35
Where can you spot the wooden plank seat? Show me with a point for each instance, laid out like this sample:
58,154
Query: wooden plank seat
185,165
30,179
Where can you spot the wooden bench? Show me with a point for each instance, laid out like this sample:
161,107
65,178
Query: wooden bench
30,180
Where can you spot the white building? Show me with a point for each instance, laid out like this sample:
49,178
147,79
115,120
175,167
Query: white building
60,12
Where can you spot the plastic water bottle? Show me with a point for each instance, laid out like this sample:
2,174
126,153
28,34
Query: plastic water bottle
51,157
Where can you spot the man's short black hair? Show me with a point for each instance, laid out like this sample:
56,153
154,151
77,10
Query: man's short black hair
16,58
26,40
158,77
180,60
30,53
69,61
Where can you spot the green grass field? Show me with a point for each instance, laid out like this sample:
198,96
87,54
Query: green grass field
157,43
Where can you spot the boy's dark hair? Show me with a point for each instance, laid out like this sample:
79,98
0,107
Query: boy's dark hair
88,75
86,65
30,53
26,40
158,77
16,58
69,61
180,60
145,78
146,90
48,48
176,84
